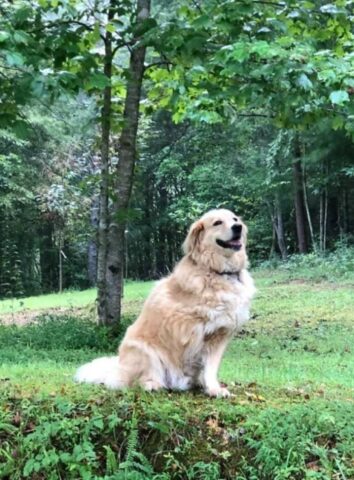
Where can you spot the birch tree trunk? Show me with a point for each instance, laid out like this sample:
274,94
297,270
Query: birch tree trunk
124,177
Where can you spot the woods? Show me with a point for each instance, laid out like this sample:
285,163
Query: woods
121,123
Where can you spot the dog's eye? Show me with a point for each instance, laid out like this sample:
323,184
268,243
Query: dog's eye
235,219
218,222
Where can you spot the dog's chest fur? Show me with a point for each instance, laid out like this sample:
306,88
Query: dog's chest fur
230,310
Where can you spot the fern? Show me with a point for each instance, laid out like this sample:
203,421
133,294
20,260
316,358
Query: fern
135,461
111,460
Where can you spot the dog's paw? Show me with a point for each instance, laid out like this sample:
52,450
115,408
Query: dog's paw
151,385
219,392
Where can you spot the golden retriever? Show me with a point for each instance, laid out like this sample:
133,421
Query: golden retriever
179,338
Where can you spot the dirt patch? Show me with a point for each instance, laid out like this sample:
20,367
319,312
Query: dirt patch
318,285
26,316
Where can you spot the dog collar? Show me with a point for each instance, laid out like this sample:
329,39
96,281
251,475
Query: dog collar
235,274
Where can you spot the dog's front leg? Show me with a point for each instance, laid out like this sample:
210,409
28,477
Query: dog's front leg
210,373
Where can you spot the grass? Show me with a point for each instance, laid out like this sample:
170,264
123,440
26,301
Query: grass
291,416
70,299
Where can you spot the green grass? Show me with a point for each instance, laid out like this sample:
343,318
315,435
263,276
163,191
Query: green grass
291,417
134,291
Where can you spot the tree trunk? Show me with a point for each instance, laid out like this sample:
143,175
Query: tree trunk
299,199
325,219
321,218
103,198
48,257
308,213
124,177
345,211
279,229
274,241
92,245
60,259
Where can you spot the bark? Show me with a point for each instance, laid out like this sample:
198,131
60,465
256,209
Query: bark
321,218
345,211
92,246
308,213
273,244
325,219
162,252
103,197
279,229
124,177
60,261
299,199
48,257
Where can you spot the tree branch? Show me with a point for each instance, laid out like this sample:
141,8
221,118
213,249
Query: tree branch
155,64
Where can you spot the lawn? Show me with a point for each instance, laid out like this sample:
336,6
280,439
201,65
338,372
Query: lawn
291,416
70,299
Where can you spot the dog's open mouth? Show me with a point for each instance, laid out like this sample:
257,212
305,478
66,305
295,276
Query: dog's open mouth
234,243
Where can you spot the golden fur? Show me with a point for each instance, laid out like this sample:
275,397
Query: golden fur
179,338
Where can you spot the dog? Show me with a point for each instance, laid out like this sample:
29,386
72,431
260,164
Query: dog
179,338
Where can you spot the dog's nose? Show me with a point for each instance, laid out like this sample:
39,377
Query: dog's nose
236,228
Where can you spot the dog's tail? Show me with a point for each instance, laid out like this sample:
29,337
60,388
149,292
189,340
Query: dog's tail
103,370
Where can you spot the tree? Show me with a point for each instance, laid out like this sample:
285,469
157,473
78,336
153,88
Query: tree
110,300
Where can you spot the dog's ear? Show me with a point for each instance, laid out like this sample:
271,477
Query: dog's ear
193,237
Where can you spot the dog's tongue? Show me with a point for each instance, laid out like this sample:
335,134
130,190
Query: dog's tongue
235,243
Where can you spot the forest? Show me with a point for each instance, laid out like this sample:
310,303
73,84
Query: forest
121,122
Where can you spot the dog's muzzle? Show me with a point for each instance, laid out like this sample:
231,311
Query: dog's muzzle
235,242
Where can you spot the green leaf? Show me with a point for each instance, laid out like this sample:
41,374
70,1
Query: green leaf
337,123
349,82
328,75
240,52
3,36
331,9
14,59
202,21
262,48
339,97
21,37
110,27
97,80
304,82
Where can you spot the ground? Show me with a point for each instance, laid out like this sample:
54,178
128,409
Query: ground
290,370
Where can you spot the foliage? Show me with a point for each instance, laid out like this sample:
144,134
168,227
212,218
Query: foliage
290,61
318,267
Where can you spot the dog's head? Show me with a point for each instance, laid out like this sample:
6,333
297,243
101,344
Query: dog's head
218,240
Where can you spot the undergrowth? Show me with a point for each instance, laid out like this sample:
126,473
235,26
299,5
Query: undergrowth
336,265
128,436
